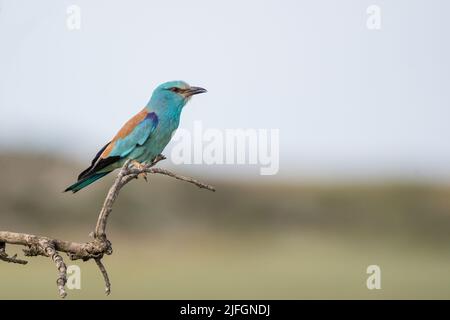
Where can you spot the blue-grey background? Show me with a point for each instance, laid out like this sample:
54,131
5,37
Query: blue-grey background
348,101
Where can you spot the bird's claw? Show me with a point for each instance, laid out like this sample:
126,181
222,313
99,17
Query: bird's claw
142,167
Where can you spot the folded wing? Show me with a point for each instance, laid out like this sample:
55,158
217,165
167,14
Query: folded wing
133,134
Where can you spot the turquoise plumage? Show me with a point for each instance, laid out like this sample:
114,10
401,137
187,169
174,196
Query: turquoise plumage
144,136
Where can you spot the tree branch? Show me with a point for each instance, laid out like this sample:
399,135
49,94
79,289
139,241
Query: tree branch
105,276
94,249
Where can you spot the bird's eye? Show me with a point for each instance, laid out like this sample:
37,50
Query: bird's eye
175,89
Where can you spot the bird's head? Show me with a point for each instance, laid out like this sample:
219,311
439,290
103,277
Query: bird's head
173,94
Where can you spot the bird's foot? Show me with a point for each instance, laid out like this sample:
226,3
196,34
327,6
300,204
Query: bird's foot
140,166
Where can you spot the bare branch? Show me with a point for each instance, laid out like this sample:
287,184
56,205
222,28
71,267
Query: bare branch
4,256
100,245
100,229
105,276
33,244
49,249
126,174
199,184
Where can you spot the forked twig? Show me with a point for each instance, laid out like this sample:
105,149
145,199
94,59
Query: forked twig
100,245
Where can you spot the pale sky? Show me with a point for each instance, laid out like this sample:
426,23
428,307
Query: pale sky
349,101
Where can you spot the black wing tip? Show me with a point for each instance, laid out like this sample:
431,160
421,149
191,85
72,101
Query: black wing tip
101,164
91,168
69,189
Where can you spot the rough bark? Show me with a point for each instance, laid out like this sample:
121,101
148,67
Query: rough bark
99,245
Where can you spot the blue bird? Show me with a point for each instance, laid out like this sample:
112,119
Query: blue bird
144,136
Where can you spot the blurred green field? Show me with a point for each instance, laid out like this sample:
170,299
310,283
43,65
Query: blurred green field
246,241
308,266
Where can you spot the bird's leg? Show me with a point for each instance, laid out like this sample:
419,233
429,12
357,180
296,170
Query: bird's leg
140,166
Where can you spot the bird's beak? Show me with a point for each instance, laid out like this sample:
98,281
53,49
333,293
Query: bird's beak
194,90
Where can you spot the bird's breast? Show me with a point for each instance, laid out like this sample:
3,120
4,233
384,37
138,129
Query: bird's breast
158,140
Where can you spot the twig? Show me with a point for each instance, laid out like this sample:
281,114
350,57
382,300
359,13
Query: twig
49,249
100,245
4,256
199,184
105,276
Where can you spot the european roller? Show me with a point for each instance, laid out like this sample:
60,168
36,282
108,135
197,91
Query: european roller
144,136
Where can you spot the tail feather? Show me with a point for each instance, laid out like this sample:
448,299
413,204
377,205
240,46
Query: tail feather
80,184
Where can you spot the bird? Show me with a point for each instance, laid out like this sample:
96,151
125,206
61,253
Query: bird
142,138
